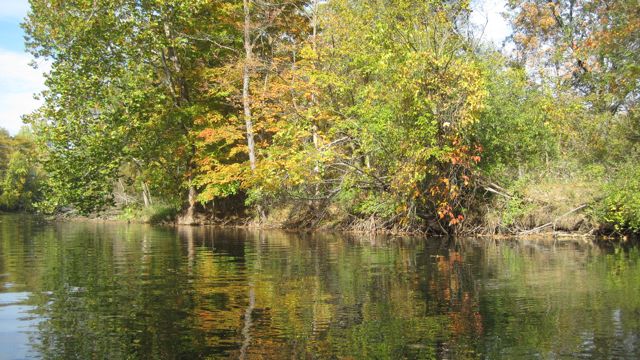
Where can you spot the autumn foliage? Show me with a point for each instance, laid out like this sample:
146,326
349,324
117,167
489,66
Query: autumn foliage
364,114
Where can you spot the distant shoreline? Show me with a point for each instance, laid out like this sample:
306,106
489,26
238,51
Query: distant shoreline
249,224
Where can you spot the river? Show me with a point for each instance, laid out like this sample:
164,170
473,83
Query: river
115,291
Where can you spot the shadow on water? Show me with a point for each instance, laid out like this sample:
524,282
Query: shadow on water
99,290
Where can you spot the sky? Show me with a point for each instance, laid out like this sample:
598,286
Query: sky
487,15
19,81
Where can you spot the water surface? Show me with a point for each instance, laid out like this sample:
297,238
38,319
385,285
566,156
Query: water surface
115,291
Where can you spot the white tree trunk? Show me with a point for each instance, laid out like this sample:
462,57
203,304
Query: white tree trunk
146,195
246,95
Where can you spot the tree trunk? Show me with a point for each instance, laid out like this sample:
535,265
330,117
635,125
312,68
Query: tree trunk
188,218
246,96
192,204
124,192
183,100
145,199
183,90
146,195
314,127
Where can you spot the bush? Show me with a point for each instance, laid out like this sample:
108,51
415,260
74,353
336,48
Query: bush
20,187
620,206
514,127
153,214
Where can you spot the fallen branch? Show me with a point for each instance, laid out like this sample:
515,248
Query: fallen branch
490,189
536,229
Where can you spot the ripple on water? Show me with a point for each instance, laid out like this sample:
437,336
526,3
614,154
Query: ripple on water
17,323
186,293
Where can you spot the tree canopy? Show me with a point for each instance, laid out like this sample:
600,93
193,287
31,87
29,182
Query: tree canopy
372,113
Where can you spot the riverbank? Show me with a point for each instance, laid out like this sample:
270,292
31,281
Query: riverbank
276,220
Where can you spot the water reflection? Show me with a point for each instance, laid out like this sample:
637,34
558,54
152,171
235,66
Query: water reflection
115,291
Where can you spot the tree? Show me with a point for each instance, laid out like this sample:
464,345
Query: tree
251,86
19,184
517,127
6,146
121,90
394,89
591,46
21,177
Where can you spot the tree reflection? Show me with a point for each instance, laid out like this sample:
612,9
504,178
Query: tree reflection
134,291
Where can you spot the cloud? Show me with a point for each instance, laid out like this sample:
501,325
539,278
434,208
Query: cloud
14,9
18,82
12,107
